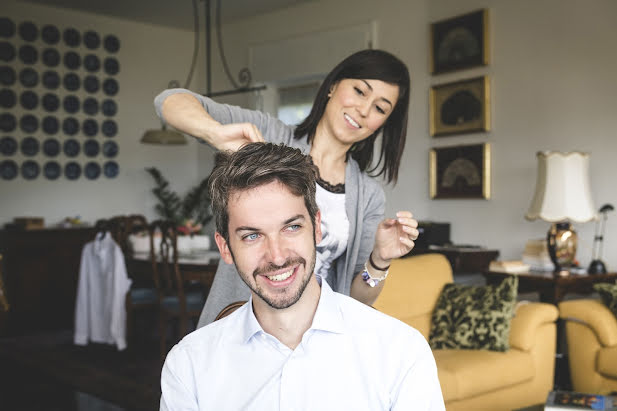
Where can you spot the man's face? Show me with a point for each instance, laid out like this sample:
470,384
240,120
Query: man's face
271,242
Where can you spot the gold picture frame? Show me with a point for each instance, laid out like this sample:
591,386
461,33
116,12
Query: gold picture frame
460,107
460,42
462,171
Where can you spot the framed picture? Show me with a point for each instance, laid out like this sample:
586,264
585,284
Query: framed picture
461,171
460,42
460,107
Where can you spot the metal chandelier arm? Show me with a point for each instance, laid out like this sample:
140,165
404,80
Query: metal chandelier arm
244,76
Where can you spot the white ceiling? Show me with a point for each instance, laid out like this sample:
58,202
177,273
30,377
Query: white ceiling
172,13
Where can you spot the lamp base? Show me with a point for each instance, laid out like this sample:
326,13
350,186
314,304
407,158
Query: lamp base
562,240
596,267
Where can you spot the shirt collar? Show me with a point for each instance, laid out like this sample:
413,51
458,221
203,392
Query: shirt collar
328,316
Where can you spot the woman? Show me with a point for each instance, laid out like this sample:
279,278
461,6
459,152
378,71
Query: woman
363,97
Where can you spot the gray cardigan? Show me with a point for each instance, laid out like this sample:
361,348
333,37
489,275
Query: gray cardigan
364,203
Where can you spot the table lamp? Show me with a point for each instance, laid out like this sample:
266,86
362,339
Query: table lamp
562,195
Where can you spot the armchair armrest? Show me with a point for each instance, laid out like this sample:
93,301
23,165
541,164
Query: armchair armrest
527,319
595,315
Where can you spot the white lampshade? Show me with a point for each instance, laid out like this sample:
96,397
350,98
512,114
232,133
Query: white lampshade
563,192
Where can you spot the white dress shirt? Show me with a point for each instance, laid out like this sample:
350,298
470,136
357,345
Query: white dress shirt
100,314
352,358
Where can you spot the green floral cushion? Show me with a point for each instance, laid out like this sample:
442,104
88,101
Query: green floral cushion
608,293
474,317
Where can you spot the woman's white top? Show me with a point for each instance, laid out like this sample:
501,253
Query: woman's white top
334,229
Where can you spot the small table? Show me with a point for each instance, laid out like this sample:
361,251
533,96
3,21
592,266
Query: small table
463,259
552,286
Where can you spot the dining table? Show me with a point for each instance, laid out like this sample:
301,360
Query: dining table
196,267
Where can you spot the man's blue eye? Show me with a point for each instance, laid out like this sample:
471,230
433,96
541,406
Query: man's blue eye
294,227
252,236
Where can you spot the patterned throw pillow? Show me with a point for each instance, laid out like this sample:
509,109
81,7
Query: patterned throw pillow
474,317
608,293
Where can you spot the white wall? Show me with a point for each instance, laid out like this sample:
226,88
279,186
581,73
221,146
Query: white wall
552,74
149,57
553,87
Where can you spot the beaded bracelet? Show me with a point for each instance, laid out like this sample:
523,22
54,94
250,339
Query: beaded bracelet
372,281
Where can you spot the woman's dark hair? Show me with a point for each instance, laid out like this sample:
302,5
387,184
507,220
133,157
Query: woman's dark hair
370,65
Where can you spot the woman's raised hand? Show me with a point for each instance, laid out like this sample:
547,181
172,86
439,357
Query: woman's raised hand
394,238
233,136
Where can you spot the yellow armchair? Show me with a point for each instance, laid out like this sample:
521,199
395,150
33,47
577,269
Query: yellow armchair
476,379
591,334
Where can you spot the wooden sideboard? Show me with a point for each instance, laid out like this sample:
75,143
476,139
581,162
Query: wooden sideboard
41,269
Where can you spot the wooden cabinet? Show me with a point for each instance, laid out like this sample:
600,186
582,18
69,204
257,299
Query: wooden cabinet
41,269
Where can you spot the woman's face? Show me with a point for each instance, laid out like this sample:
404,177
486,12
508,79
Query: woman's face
357,108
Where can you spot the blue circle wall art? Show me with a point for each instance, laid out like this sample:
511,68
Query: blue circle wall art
92,40
110,108
29,124
71,37
91,148
28,77
110,87
92,171
28,54
29,100
70,126
110,149
7,75
28,31
8,99
7,51
71,104
51,147
29,146
111,43
8,146
92,63
7,122
71,81
8,169
7,27
51,125
110,128
51,80
112,67
51,57
30,170
52,170
71,60
111,169
71,148
50,34
51,102
90,128
91,84
72,170
91,106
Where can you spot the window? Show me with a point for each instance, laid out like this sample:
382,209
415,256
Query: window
295,102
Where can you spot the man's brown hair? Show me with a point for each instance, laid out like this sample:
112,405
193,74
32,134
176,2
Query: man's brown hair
254,165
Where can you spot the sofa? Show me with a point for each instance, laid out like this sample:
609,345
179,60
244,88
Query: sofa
591,336
476,379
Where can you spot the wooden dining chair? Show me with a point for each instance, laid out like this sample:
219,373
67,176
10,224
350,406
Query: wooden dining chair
229,309
143,296
180,301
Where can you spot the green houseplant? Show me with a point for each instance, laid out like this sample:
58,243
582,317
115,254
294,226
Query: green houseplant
190,213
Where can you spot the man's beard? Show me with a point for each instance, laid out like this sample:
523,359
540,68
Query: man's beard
272,302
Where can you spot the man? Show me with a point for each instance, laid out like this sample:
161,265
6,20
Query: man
296,344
